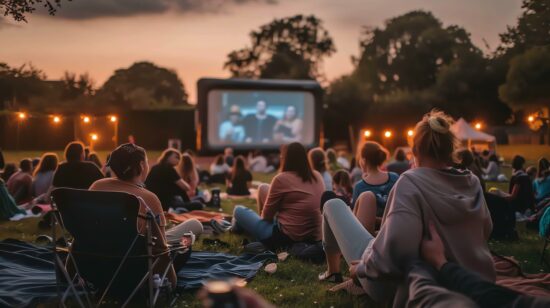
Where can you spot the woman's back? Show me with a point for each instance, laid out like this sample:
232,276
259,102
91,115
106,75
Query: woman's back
42,182
541,187
453,201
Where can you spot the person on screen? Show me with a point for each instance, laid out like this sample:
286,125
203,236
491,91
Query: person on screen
289,128
231,130
259,126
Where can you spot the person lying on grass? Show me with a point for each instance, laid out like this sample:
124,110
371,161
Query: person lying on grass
433,191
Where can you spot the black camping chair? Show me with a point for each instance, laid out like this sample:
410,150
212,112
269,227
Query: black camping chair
105,250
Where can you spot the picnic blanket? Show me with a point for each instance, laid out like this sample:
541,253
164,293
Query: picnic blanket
27,274
202,216
510,275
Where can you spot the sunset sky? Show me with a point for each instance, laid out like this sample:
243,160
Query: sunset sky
193,37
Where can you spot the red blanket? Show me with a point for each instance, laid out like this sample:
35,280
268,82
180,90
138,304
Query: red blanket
202,216
510,275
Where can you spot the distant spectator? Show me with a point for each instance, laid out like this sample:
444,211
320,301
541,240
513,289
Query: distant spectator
239,179
94,158
355,172
341,188
541,185
532,172
228,156
332,161
19,184
400,163
219,166
466,161
9,169
43,174
257,162
520,191
35,162
75,172
318,161
189,173
342,160
492,172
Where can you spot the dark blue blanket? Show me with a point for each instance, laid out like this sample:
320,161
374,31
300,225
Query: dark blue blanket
27,274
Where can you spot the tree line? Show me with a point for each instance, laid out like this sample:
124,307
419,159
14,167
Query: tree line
407,66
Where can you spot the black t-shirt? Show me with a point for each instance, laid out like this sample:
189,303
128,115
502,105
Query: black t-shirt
257,129
525,198
76,174
239,185
162,182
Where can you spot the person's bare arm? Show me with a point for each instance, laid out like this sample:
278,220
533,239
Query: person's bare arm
183,185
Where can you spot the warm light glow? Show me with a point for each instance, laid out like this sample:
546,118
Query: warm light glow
86,119
531,119
368,133
22,116
94,137
387,134
478,126
410,133
56,119
113,118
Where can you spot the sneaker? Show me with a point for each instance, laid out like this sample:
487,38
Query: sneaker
334,277
218,227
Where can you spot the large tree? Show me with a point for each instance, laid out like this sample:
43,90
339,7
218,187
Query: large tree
143,85
18,85
291,48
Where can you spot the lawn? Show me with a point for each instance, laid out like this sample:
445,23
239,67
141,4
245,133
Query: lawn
295,282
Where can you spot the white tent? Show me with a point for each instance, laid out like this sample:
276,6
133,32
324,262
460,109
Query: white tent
469,135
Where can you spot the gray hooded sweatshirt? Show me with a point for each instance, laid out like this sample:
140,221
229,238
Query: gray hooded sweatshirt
454,202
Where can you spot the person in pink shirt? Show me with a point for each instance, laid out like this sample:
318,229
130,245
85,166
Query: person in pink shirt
289,207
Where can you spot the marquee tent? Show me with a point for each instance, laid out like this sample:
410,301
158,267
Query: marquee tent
470,136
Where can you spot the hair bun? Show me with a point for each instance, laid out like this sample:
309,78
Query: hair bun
438,124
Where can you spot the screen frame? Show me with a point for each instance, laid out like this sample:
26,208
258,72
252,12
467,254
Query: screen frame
205,85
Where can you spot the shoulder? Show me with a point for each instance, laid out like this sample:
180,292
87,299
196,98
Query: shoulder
102,184
393,176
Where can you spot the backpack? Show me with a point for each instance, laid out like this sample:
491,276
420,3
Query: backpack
308,251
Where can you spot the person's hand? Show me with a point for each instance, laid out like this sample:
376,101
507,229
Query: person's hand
353,269
432,248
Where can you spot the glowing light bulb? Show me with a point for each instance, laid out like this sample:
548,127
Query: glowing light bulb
387,134
113,118
56,119
410,133
22,115
367,133
86,119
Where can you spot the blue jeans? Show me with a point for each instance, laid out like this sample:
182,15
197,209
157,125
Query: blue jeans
250,222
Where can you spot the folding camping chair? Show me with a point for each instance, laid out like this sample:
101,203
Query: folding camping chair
106,254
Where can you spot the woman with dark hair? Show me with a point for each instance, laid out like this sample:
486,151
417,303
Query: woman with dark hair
541,185
75,172
341,188
317,158
130,165
94,158
9,170
189,173
520,191
240,179
165,182
433,194
289,128
289,207
43,174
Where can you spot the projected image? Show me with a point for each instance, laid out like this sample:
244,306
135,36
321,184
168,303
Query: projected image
259,117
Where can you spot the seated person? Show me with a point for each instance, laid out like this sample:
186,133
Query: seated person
289,128
75,172
317,158
341,188
541,185
433,192
130,165
240,179
20,183
257,162
467,161
343,161
520,191
219,170
289,207
165,182
43,176
492,172
188,171
400,163
446,284
370,194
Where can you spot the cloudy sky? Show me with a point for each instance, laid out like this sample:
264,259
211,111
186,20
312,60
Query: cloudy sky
193,37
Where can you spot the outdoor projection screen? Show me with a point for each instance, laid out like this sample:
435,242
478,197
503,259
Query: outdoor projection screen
257,114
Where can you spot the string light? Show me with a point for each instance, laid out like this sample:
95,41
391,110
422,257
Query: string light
86,119
56,119
388,134
22,115
367,133
410,132
531,119
113,118
478,126
94,137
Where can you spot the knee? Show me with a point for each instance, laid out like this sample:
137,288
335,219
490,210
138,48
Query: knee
366,198
333,205
195,226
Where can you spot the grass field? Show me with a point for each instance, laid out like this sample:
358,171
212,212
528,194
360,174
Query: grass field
295,283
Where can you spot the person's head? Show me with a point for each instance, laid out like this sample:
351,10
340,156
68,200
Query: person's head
94,158
187,165
372,155
86,153
170,157
543,168
261,107
219,160
48,162
294,159
228,152
74,151
331,156
234,117
239,166
290,113
518,162
400,155
9,169
318,159
531,172
465,158
25,165
433,143
129,163
493,158
341,179
485,153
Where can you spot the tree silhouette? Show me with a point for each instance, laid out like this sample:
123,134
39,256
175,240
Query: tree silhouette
18,9
291,48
